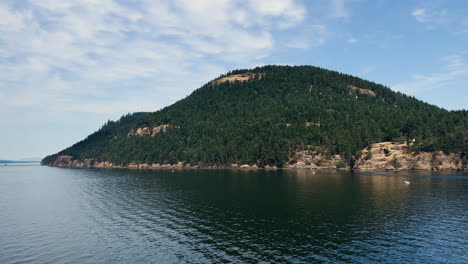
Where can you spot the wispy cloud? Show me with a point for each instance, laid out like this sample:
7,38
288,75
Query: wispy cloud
432,18
351,40
311,36
339,9
454,67
421,15
110,55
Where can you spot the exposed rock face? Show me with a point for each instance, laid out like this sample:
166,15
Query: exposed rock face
148,131
61,161
381,156
68,162
239,77
394,156
308,124
314,160
363,91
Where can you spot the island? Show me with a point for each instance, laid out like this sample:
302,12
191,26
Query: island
272,117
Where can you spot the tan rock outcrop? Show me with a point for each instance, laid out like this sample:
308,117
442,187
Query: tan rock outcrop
143,131
314,160
147,131
380,156
242,77
363,91
308,124
62,161
396,156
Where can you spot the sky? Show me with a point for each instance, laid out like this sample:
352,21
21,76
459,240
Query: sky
68,66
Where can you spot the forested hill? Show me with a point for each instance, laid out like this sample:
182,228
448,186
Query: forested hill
265,115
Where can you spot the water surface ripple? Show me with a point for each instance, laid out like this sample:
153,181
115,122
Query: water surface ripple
51,215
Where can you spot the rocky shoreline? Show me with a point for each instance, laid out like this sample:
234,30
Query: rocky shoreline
383,156
392,156
67,162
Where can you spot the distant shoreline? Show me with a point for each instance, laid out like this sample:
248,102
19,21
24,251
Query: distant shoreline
19,161
245,167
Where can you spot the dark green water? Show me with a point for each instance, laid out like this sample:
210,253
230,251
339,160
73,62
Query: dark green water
51,215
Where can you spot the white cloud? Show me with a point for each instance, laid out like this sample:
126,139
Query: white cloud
432,17
84,55
454,67
420,14
290,11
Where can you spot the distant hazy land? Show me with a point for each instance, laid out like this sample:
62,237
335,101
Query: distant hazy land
18,161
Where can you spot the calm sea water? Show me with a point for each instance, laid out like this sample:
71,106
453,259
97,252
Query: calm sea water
51,215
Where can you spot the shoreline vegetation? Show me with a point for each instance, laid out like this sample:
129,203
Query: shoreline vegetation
382,156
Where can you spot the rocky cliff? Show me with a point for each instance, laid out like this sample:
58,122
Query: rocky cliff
148,131
315,160
380,156
397,156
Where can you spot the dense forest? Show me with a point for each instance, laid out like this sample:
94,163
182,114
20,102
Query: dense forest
266,119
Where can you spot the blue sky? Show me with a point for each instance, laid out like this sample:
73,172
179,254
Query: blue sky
68,66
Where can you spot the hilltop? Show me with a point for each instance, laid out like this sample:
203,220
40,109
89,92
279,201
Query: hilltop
274,116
